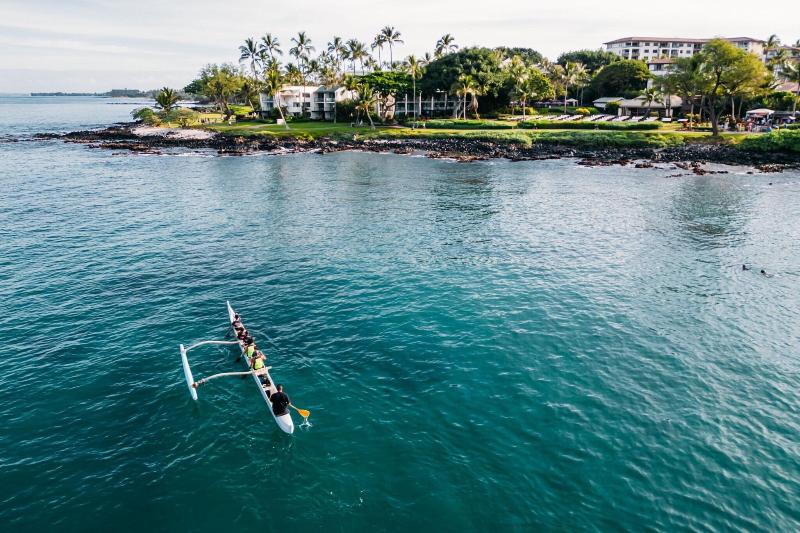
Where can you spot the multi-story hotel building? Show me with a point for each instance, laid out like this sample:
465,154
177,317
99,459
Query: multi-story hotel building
647,48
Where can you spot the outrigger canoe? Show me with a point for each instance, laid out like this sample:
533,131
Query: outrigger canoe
266,389
284,421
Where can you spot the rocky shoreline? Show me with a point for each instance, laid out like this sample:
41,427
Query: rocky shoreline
689,157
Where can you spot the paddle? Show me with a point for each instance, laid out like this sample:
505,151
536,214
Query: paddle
303,412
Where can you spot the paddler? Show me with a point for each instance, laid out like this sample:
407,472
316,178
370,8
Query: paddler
280,402
237,322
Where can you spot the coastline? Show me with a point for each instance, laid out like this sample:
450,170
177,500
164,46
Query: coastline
134,138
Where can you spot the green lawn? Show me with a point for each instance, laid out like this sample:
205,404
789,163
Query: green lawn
667,136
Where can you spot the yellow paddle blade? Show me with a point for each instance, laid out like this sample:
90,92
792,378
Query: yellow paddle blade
303,412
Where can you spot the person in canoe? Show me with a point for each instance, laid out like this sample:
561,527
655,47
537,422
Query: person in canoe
237,322
250,348
280,401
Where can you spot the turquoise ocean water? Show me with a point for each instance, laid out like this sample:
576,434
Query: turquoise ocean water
517,346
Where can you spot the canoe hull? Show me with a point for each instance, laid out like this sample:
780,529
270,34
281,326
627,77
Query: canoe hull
285,421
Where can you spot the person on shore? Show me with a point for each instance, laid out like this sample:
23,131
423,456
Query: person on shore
280,402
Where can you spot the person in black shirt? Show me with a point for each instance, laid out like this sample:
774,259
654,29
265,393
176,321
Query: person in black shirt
280,402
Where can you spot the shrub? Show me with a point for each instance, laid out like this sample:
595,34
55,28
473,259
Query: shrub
242,110
583,111
146,116
460,124
793,127
184,117
616,139
785,140
346,110
612,108
618,126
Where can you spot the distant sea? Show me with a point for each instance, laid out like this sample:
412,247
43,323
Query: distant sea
489,346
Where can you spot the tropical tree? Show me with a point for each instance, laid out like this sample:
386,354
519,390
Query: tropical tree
338,49
466,86
791,71
378,43
530,83
772,44
273,85
686,81
366,101
301,50
415,69
391,37
293,75
167,99
221,83
270,46
746,78
356,51
249,51
568,75
725,71
249,91
445,45
651,96
593,60
626,77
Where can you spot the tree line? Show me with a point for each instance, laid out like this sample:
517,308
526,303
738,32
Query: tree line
720,78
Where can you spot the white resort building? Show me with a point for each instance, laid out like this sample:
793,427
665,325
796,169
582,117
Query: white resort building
648,48
318,101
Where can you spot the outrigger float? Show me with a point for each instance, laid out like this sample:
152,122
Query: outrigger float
266,388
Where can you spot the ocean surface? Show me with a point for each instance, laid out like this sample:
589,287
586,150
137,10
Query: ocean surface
516,346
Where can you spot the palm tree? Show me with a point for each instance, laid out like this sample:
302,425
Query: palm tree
466,86
686,81
415,68
567,76
250,52
301,50
249,91
445,45
518,73
651,96
337,49
167,99
779,60
378,43
273,84
356,51
293,75
582,77
391,37
773,43
270,45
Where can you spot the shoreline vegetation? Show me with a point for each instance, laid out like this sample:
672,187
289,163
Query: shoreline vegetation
687,150
481,103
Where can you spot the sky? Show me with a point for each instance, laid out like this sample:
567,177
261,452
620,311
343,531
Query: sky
97,45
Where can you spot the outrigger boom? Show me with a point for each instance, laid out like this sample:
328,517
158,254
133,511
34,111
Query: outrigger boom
265,387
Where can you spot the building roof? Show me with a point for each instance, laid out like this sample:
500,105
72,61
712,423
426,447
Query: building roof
607,99
638,103
788,86
679,40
